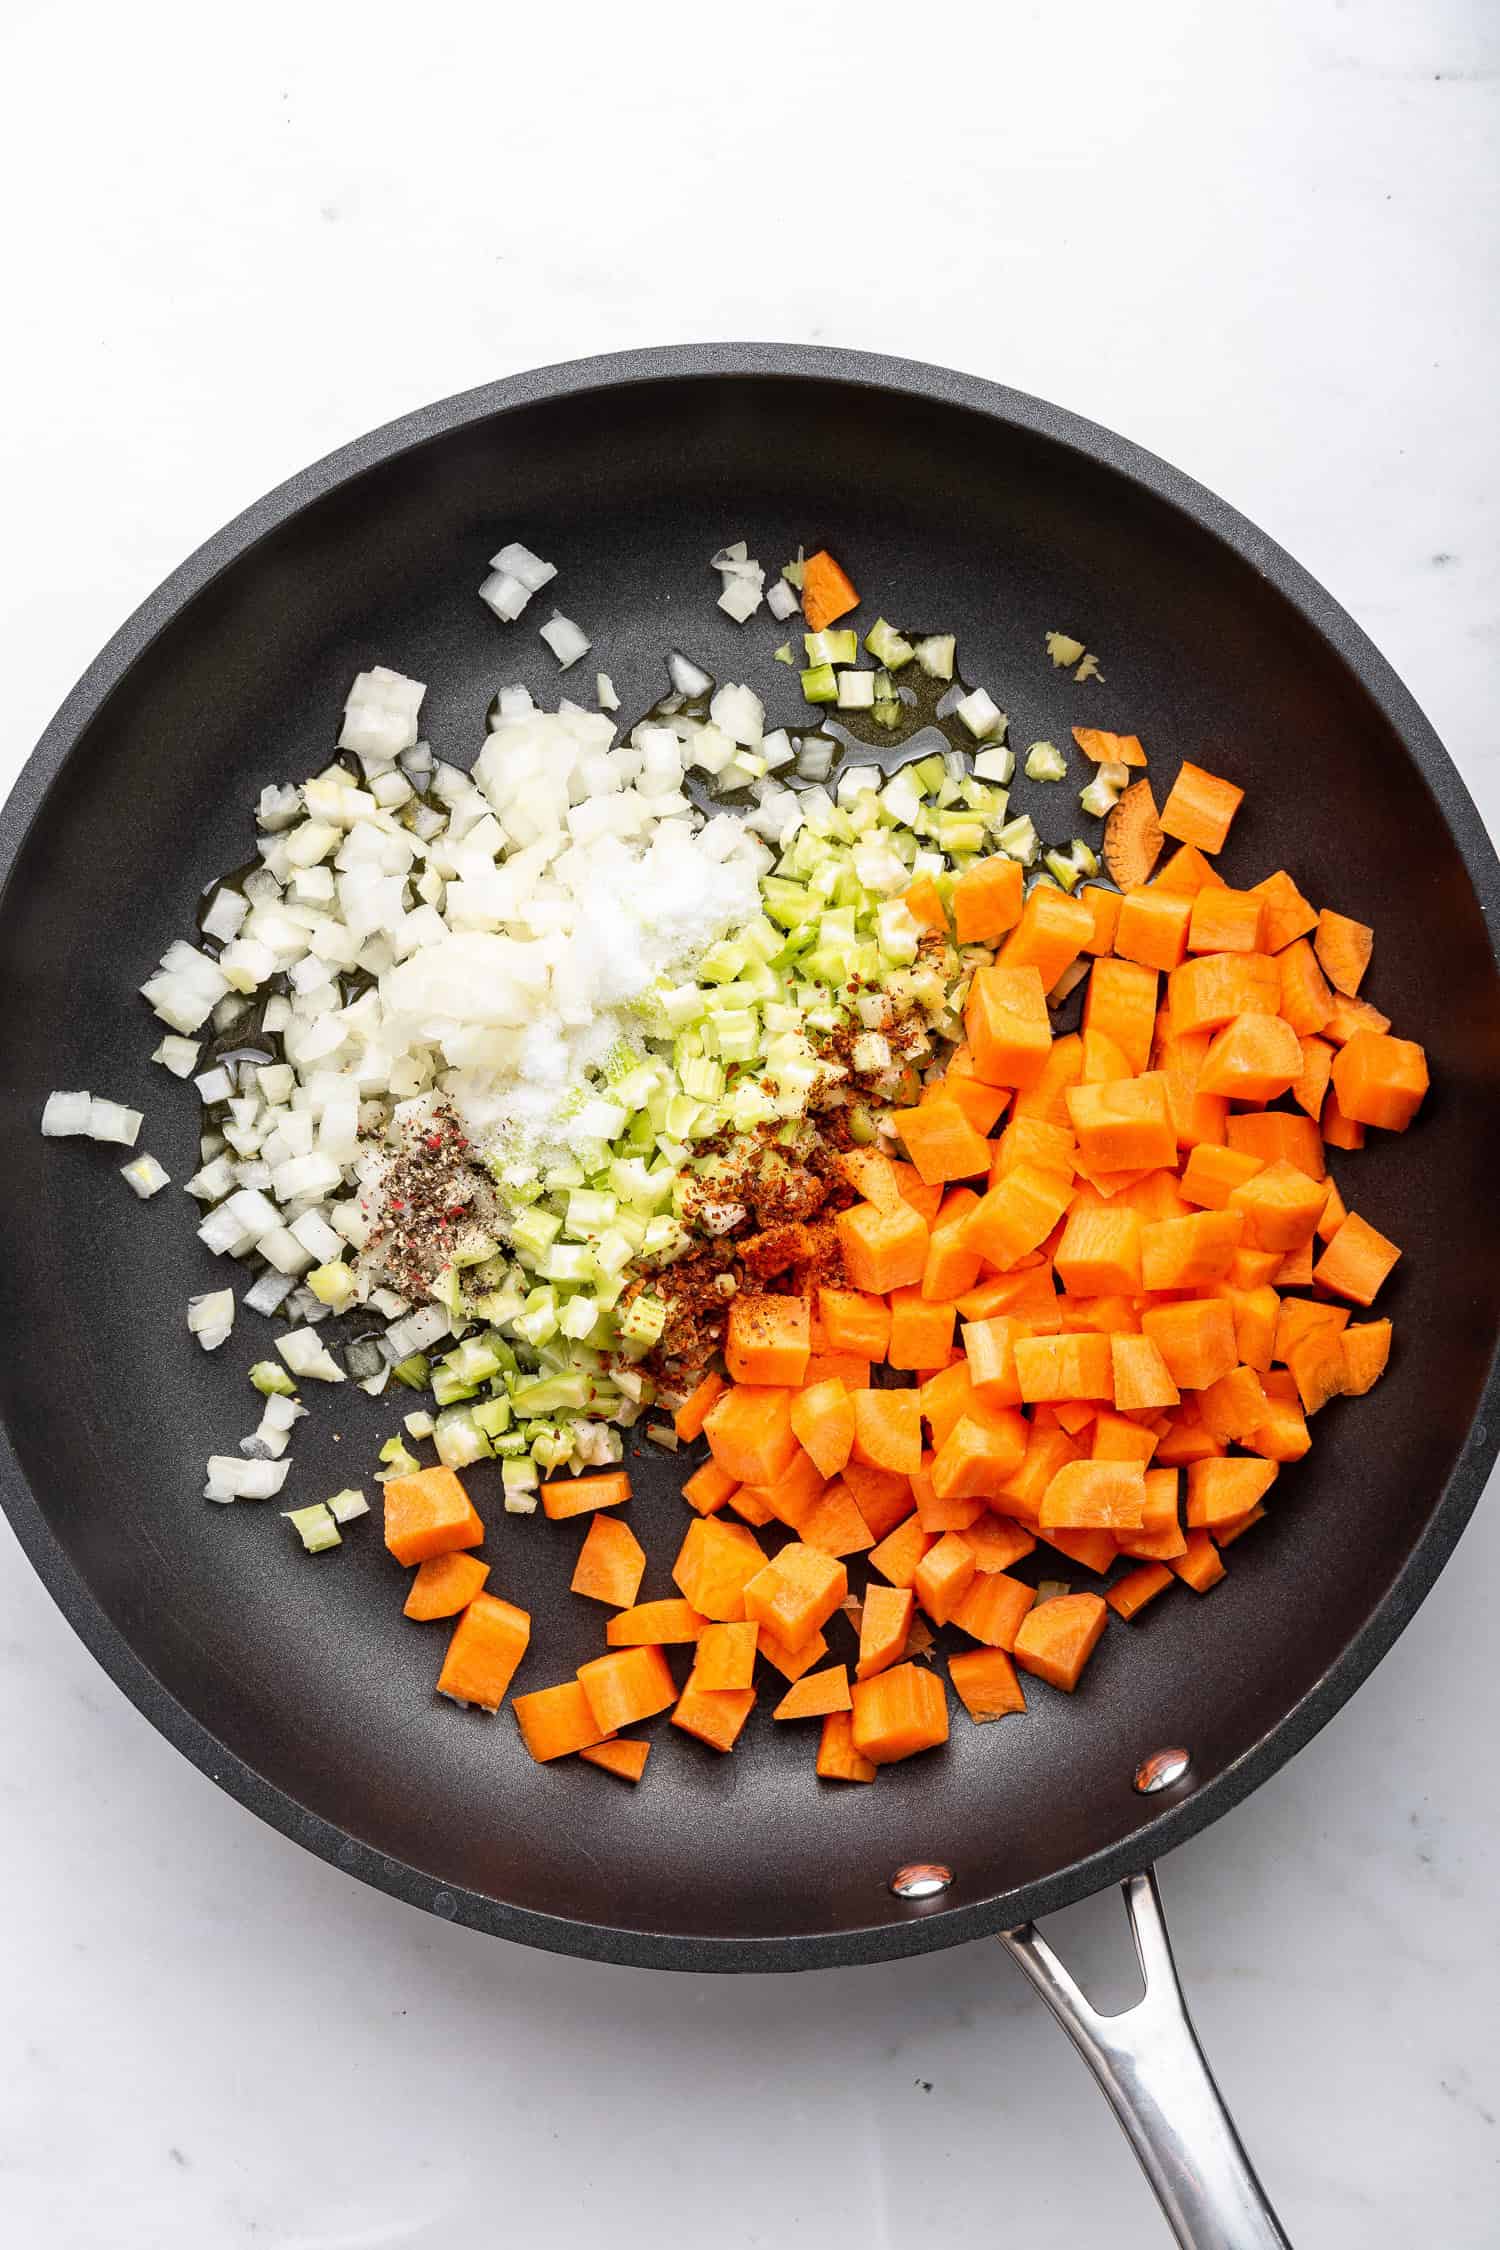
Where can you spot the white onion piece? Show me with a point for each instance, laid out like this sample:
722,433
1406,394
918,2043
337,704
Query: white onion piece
211,1317
505,595
231,1479
740,599
739,713
308,1358
146,1176
64,1115
604,692
686,677
567,641
521,563
781,600
112,1121
177,1055
269,1292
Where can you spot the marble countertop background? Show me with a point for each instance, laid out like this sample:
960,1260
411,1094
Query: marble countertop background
1261,241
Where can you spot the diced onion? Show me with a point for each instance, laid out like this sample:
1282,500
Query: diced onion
567,641
230,1478
211,1317
146,1176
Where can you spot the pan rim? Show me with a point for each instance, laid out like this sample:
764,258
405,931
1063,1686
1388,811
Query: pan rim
933,1927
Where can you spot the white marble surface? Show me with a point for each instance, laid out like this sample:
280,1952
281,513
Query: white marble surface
1260,240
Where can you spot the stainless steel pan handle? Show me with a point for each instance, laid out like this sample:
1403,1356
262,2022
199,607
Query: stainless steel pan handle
1157,2081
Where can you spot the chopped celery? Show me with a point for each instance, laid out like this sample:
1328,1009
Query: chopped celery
820,684
418,1424
996,763
412,1371
1063,649
981,715
1045,762
783,655
333,1285
642,1321
493,1417
1018,840
840,647
272,1381
314,1526
448,1388
887,646
936,655
1062,869
1098,798
348,1505
399,1463
552,1394
1085,860
856,691
459,1442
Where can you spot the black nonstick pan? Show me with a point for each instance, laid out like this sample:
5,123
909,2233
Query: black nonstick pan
296,1684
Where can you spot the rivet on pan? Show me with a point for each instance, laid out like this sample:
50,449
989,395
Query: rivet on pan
1160,1770
925,1879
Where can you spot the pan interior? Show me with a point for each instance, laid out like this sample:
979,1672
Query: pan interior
304,1669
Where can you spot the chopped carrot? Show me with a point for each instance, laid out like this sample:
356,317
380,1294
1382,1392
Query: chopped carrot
1187,871
982,1449
726,1656
793,1662
611,1563
823,1420
1140,1375
897,1555
1095,1496
1287,913
882,1250
940,1140
1190,1253
1253,1059
1306,1001
898,1714
888,1428
1057,1638
648,1622
1125,1124
952,1268
921,1333
1133,836
882,1496
836,1526
987,900
1064,1367
1129,1595
715,1715
1213,988
1344,948
1211,1174
885,1622
796,1593
443,1585
1367,1347
627,1685
1356,1261
1006,1025
1380,1080
1195,1338
1016,1216
708,1488
942,1576
428,1514
1152,929
715,1563
1121,1005
1053,930
1200,807
816,1695
690,1417
626,1759
1220,1491
838,1760
790,1500
991,1608
1226,921
488,1643
983,1105
1199,1567
827,591
855,1320
1311,1084
985,1682
1105,907
557,1721
923,901
995,1542
1351,1015
1340,1131
1109,749
1280,1206
750,1434
575,1496
768,1340
1277,1136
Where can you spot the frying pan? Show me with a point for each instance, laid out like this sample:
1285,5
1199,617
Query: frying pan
295,1684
